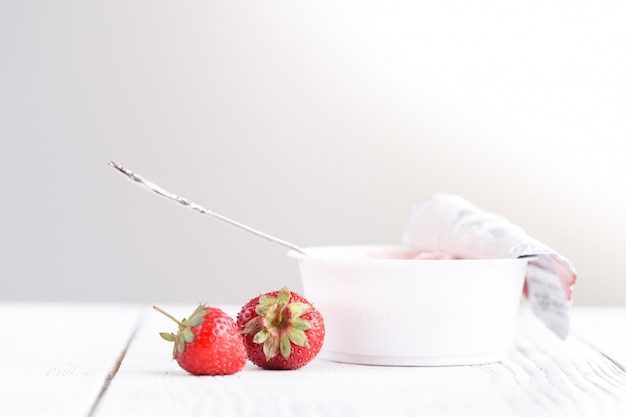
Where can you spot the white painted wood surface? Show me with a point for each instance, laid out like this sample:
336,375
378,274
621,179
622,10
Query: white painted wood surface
604,328
55,359
43,372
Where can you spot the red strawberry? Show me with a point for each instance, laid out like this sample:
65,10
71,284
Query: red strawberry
208,343
281,330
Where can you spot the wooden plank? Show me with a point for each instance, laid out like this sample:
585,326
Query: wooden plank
55,358
549,376
603,328
544,376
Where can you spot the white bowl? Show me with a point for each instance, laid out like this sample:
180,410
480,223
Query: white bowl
380,308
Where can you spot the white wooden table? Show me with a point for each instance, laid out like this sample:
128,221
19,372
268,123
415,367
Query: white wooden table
107,360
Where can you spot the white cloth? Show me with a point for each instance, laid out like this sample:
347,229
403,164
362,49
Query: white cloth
449,224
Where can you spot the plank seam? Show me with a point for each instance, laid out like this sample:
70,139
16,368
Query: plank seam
116,367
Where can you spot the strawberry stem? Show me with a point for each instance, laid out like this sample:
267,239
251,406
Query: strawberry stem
166,314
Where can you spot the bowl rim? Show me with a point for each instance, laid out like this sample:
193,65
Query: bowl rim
309,254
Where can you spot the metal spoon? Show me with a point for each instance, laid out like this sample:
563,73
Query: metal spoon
193,206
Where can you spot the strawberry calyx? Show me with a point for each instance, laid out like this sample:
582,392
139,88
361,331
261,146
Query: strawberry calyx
278,324
185,333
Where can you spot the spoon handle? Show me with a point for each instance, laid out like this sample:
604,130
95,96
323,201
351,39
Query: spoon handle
195,207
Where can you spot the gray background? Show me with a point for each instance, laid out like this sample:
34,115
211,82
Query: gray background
317,121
